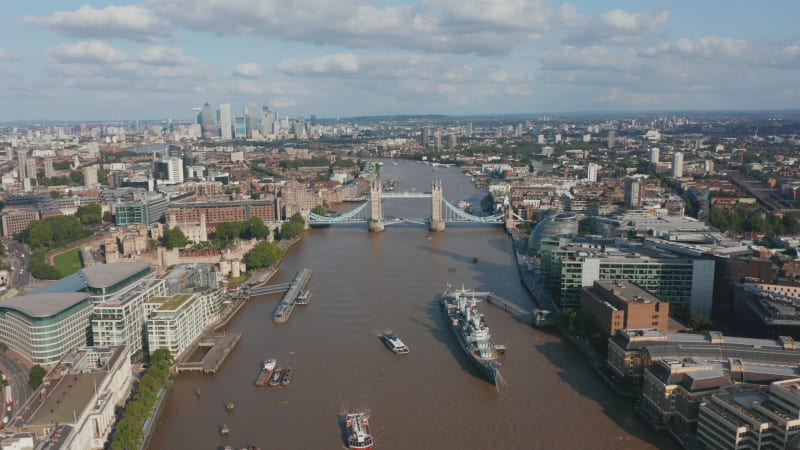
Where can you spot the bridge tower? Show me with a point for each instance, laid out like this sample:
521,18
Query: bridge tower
376,210
437,222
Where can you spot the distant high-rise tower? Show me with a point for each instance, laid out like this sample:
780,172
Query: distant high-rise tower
253,122
90,176
453,141
677,165
591,172
49,172
225,125
30,168
558,138
612,135
655,155
469,129
708,166
207,122
426,136
632,194
239,127
540,139
438,140
22,163
268,121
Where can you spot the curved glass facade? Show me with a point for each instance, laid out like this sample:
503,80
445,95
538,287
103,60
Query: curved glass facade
44,340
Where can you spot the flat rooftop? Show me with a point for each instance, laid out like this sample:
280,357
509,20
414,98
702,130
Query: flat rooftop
170,303
44,305
627,291
69,396
107,275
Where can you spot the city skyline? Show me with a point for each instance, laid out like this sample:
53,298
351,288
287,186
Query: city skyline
126,60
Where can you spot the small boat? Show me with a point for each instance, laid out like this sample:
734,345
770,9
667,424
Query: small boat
394,343
268,365
286,378
359,436
224,430
304,298
197,392
474,260
229,407
276,377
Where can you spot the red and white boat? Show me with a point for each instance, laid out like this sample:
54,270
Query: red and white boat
358,435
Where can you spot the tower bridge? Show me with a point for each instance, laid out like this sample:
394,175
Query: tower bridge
371,211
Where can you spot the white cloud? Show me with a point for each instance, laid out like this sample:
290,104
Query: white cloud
248,70
130,22
619,27
92,52
4,54
450,26
164,56
342,63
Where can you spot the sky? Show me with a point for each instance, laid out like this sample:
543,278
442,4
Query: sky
158,59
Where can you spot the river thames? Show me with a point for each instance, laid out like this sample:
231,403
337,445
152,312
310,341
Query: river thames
431,399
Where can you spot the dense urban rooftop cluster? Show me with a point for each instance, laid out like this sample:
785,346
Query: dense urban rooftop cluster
638,225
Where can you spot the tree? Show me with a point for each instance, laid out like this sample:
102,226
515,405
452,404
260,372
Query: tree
108,217
263,254
700,323
227,231
175,238
294,227
257,229
88,214
55,194
3,347
320,210
37,375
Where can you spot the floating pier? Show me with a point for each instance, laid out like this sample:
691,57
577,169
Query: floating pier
220,347
284,309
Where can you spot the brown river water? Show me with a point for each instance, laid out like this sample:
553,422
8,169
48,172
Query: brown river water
431,399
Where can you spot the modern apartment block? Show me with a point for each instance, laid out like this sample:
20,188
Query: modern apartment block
768,310
16,220
146,210
119,292
571,263
75,406
42,327
751,417
614,305
175,322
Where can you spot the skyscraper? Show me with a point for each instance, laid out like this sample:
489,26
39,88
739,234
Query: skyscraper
426,136
90,176
632,194
677,165
49,172
30,168
253,118
591,172
469,129
655,155
207,122
239,127
22,163
225,125
268,120
611,138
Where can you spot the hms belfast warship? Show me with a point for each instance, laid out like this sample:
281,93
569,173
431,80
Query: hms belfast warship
473,335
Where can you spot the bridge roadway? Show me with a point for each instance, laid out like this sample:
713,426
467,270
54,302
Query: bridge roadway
271,289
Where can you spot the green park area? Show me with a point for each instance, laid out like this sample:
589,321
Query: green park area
69,262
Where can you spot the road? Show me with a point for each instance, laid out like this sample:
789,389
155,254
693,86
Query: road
21,274
17,376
